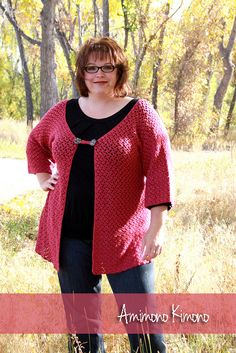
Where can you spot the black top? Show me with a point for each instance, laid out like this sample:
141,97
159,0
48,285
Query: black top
79,208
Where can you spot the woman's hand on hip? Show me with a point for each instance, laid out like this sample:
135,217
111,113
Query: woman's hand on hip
47,181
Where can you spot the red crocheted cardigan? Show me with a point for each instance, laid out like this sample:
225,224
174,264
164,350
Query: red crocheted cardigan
132,171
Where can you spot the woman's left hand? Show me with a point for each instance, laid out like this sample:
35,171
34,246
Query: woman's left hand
154,237
152,245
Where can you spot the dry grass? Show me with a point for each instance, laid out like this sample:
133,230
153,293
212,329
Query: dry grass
199,254
13,136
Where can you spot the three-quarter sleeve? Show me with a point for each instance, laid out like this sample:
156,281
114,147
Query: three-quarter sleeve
39,146
156,157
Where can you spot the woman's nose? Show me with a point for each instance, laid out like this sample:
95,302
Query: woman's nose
100,73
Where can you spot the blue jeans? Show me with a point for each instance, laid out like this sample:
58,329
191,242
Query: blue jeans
75,276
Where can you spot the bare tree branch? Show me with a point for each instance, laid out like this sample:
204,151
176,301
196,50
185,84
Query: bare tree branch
11,18
144,46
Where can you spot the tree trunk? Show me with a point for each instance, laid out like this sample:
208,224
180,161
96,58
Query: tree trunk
48,86
79,25
134,45
138,63
179,86
230,114
206,88
63,41
28,90
144,43
126,24
157,65
96,18
105,8
27,84
224,83
155,69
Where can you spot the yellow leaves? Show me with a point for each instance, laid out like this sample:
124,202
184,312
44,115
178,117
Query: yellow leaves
115,7
28,14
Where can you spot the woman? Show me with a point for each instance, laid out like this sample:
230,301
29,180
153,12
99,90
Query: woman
108,201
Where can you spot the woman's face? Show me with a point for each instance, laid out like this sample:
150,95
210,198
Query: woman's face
100,82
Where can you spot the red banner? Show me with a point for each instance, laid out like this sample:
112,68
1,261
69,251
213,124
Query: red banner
119,313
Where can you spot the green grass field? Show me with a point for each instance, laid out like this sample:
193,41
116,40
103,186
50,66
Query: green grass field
198,256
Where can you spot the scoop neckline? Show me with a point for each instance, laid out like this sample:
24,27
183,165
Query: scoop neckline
108,117
111,132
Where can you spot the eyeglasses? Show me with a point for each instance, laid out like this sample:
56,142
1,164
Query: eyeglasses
92,69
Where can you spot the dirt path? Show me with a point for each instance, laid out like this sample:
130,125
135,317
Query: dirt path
14,179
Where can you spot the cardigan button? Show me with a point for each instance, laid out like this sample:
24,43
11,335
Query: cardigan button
77,140
92,142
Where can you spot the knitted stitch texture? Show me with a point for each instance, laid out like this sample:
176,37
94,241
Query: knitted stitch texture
133,171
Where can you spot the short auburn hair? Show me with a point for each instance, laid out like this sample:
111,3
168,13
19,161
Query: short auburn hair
102,48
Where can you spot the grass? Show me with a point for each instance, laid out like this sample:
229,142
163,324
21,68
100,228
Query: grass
13,137
198,257
201,229
19,219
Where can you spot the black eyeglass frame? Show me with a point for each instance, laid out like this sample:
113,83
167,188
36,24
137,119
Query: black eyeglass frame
100,67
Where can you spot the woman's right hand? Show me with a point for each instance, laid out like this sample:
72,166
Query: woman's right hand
47,181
